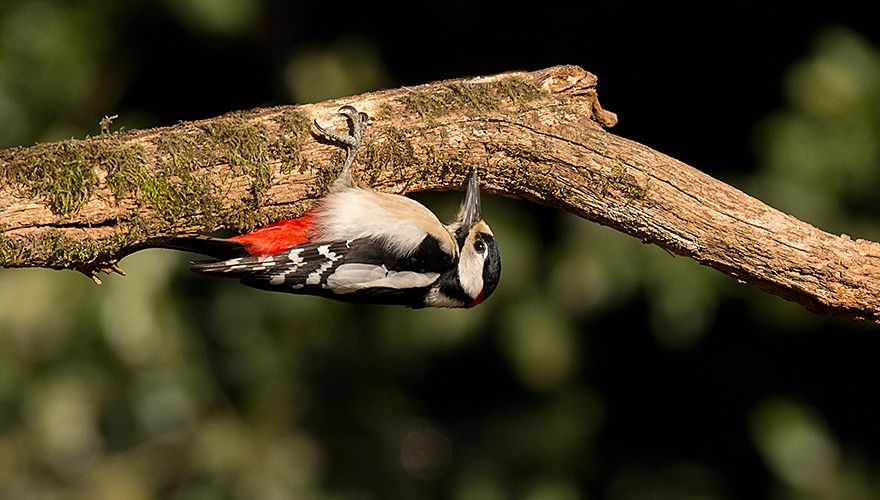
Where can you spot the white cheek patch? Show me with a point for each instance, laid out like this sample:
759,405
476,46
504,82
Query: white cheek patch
470,268
349,278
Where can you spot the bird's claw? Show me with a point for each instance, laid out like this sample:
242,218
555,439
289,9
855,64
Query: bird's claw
358,122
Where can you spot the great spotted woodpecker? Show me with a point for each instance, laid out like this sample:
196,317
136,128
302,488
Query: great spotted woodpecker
360,245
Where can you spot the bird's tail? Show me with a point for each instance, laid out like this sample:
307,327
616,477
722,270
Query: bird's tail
218,248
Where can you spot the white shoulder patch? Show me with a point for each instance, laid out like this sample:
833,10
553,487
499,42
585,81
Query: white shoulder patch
349,278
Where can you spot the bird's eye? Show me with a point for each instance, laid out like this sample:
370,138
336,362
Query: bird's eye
479,246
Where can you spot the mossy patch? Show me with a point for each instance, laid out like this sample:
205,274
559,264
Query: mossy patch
10,252
173,188
385,110
169,177
55,250
63,252
529,169
328,173
242,144
547,185
469,96
395,151
60,174
622,181
294,130
439,165
521,157
518,90
180,187
126,166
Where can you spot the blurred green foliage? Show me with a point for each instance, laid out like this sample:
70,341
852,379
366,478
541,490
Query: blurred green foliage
600,368
819,156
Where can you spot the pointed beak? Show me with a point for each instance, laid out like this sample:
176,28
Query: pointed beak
470,208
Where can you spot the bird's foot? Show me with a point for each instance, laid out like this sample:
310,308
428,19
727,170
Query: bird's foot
358,122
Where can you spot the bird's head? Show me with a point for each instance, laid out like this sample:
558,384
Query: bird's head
479,263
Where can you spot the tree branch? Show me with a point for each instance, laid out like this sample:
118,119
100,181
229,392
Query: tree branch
536,136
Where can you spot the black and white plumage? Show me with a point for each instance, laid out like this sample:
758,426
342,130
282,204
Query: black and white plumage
360,245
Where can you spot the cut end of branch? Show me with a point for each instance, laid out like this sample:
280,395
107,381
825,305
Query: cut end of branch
579,82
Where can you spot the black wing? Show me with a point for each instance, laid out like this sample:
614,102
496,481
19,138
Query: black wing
353,271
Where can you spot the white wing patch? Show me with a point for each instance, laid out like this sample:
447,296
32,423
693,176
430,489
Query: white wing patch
295,262
315,276
239,263
349,278
233,264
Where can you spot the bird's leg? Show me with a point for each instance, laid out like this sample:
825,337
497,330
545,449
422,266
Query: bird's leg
358,122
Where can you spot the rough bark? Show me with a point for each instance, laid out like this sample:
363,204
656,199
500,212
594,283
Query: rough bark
537,136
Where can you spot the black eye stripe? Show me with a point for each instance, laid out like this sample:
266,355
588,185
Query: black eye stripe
491,266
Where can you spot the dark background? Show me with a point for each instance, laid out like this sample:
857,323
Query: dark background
602,368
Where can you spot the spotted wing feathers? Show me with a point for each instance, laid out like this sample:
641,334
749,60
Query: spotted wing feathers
351,270
296,268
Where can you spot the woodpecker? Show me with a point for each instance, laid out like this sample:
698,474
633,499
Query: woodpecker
361,245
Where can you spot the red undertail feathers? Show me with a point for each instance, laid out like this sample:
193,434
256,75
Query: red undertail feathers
277,237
